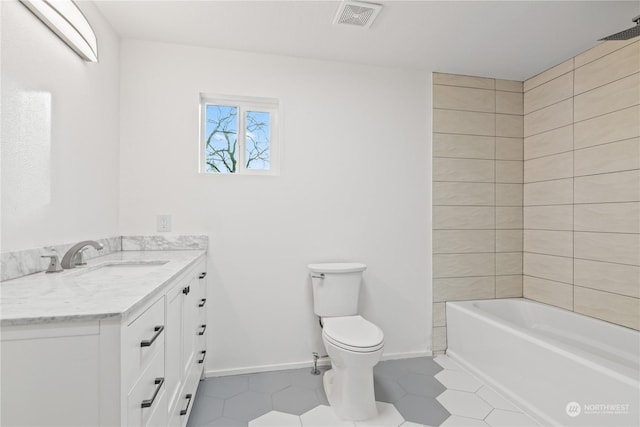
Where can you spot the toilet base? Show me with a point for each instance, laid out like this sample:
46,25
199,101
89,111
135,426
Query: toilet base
350,392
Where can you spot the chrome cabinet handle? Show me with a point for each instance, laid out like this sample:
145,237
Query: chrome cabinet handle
203,301
202,275
204,355
185,410
147,343
147,403
204,328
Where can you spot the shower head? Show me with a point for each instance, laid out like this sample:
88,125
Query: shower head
626,34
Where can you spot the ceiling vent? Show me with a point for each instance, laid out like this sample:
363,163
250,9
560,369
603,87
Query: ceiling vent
357,13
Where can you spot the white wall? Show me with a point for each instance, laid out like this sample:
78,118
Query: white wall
354,185
59,134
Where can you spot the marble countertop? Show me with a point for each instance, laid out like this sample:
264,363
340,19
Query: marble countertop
84,293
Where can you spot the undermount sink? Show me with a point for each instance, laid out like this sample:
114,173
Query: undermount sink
122,268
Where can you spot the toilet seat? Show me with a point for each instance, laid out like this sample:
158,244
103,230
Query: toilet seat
353,333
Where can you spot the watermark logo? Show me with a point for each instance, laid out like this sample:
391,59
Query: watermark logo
573,409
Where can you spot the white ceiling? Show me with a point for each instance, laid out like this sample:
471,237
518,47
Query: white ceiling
502,39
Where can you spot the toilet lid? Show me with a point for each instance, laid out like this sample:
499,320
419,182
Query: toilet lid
352,331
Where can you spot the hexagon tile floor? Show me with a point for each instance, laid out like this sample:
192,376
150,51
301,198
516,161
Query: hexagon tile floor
415,392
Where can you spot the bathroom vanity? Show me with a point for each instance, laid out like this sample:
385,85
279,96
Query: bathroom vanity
119,342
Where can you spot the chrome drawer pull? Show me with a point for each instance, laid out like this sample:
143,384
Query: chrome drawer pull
149,402
147,343
185,410
203,302
204,328
204,354
203,275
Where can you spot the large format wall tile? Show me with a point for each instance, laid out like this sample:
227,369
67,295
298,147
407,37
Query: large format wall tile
508,240
620,94
610,187
558,192
548,118
509,102
463,122
467,170
549,93
558,243
509,125
554,217
619,309
559,269
547,168
509,85
609,68
509,263
461,241
464,288
550,142
508,217
464,193
509,171
617,278
602,49
508,194
612,157
615,126
463,146
509,286
550,74
463,217
608,217
464,81
609,247
548,292
439,314
463,265
509,148
464,98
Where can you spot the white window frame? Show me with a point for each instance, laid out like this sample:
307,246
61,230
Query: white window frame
244,104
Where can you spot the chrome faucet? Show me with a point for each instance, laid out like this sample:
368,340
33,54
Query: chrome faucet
73,256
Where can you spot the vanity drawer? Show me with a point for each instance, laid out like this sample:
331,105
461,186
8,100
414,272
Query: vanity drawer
147,400
143,338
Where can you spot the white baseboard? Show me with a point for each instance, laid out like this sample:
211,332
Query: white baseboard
323,361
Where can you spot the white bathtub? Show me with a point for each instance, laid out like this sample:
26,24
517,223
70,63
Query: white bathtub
551,362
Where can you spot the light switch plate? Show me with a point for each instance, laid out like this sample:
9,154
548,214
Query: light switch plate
164,223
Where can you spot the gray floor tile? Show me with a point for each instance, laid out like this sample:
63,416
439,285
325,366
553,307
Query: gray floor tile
421,385
392,369
422,365
247,405
422,410
269,382
225,387
322,396
295,400
205,409
304,378
227,422
387,390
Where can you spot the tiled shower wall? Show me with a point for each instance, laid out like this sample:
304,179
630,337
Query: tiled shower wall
582,184
477,192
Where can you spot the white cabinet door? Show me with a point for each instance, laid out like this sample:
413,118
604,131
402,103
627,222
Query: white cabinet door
191,329
173,344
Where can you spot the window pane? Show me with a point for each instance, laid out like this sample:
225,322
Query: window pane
221,138
258,130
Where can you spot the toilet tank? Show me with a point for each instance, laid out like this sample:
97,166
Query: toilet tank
336,288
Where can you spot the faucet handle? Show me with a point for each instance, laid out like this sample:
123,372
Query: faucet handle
54,263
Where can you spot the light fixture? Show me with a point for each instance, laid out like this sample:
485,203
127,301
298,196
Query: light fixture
65,19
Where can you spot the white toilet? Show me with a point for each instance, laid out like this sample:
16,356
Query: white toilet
353,344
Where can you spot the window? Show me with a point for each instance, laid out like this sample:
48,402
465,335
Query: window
239,135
